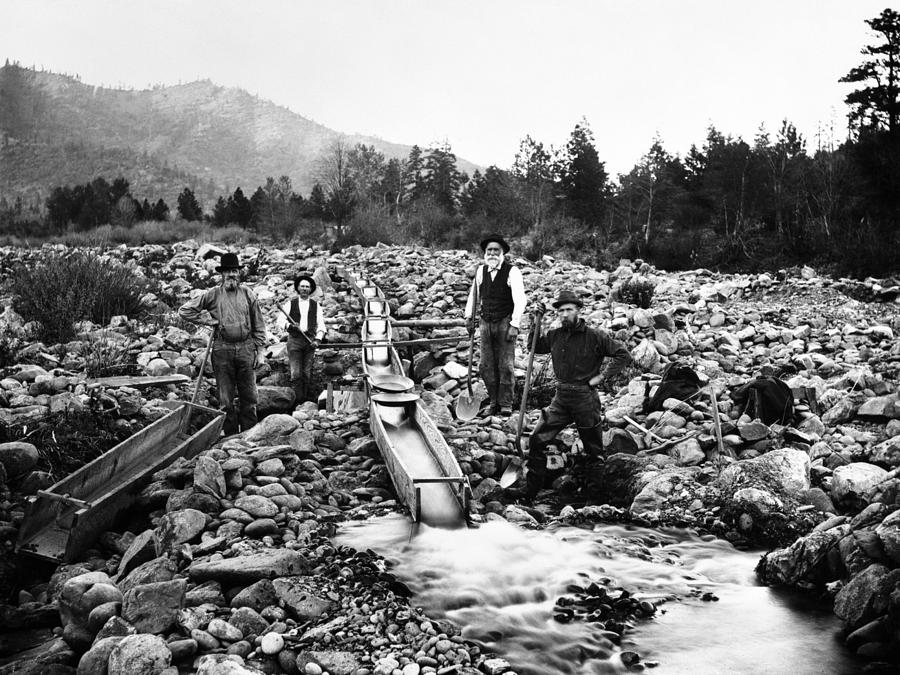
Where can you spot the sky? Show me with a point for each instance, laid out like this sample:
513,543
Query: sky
478,74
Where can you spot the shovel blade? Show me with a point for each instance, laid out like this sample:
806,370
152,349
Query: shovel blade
512,472
467,406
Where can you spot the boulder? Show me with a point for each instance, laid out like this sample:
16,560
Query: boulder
275,400
271,428
269,564
140,654
866,596
856,478
785,470
18,457
178,527
301,598
209,477
154,607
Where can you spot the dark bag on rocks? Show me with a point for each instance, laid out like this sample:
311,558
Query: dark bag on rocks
679,381
767,399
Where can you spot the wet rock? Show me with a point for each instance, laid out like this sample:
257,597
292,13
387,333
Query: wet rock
866,596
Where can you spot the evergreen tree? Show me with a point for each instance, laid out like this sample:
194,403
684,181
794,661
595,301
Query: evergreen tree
188,206
583,177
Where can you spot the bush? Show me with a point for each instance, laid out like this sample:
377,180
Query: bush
638,290
67,288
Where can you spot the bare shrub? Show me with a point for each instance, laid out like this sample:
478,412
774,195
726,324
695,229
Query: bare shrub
67,288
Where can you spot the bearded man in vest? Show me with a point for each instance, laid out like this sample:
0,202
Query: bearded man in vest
239,342
305,329
501,296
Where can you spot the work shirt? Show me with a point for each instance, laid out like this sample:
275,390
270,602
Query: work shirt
516,286
578,353
282,321
237,314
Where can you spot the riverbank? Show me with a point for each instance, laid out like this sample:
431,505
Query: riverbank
283,485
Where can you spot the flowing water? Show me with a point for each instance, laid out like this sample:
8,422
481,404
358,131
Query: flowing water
499,583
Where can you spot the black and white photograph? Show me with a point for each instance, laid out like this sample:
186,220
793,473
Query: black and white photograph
470,337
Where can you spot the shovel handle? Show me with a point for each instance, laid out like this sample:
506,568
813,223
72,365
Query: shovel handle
526,389
472,335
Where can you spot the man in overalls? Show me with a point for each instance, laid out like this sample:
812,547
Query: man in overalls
239,342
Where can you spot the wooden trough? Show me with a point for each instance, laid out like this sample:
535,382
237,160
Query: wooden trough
63,521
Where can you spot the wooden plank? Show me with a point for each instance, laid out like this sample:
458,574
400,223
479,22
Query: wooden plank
137,381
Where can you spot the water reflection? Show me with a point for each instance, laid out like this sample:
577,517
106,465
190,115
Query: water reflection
500,584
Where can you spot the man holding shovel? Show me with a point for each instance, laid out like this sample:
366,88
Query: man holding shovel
501,296
305,323
578,353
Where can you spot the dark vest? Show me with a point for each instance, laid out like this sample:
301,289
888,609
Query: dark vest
312,320
496,295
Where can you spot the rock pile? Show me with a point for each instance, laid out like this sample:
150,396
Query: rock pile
756,483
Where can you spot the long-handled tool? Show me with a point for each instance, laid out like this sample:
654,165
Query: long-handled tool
209,344
514,469
294,324
468,403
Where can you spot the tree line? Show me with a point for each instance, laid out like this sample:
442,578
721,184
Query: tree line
775,200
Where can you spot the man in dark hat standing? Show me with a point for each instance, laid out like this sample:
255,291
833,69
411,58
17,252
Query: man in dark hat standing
501,296
239,342
302,317
578,353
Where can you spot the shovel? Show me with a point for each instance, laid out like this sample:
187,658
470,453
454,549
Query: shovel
514,469
468,403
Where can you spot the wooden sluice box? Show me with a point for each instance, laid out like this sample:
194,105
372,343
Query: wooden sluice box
63,521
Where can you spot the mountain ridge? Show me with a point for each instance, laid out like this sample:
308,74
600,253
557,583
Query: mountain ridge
57,130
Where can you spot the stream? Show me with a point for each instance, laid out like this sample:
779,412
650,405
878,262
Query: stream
499,583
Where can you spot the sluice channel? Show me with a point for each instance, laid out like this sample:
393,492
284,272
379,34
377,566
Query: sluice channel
500,583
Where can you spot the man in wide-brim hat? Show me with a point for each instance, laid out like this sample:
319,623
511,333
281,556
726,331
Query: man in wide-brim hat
302,316
239,342
579,355
500,290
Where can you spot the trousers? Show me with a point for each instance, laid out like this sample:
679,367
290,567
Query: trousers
301,355
571,403
232,364
498,361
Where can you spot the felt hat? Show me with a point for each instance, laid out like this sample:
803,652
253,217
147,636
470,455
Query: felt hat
305,277
567,297
496,238
229,261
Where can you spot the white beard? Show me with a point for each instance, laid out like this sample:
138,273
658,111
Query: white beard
492,263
